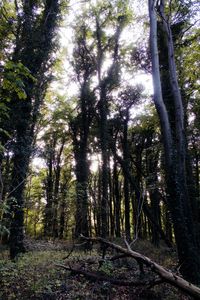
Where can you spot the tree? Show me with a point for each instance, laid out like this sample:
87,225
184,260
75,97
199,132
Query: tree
93,45
84,67
175,149
106,85
126,99
33,47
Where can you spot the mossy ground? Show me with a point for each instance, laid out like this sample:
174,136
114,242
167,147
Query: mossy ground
35,275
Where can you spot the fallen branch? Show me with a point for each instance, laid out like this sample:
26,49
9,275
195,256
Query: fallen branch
99,277
166,275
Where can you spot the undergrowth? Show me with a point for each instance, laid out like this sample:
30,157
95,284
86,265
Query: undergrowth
35,276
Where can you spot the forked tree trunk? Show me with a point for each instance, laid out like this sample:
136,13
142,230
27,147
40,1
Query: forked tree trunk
174,153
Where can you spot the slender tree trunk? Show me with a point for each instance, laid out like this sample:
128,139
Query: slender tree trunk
126,159
56,190
152,186
117,201
48,218
103,109
62,219
94,202
168,226
82,171
99,220
111,209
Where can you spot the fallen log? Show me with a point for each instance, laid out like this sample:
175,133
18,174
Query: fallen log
99,277
165,275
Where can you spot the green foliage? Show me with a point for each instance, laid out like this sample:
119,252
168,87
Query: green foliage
3,112
15,75
107,268
124,12
35,203
7,28
5,210
117,10
191,63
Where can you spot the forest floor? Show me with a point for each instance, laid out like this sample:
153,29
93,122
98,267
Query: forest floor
35,275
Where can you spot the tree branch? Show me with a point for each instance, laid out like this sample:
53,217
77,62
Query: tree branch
99,277
166,275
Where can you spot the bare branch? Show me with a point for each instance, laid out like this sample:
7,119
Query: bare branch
165,275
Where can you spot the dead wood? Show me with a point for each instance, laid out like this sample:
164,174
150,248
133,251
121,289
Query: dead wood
99,277
165,275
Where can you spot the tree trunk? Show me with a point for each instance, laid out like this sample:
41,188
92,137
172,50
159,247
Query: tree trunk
126,159
174,154
111,204
152,186
20,170
117,202
82,193
55,228
48,218
34,55
104,151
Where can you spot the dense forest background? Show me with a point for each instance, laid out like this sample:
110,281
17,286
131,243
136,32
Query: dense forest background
100,123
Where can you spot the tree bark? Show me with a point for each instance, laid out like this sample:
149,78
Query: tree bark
126,159
117,201
55,229
174,152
